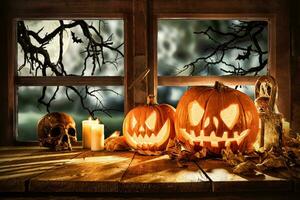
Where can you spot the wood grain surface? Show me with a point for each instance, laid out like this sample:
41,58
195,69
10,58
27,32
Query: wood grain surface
159,173
22,165
81,171
223,180
90,172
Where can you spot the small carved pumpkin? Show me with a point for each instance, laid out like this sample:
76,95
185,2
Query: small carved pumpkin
215,118
149,127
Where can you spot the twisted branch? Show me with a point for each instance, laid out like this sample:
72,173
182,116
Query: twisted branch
244,31
40,61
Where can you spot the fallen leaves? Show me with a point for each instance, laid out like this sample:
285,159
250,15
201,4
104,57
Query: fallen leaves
245,168
177,151
275,158
115,142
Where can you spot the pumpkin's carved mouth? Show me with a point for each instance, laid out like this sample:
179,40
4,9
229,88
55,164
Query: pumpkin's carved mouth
213,139
142,138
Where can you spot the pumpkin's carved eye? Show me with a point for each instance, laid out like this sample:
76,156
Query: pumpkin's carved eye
151,121
230,115
133,122
195,113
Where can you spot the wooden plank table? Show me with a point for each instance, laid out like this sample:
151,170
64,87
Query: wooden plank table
80,171
90,172
159,173
23,164
223,180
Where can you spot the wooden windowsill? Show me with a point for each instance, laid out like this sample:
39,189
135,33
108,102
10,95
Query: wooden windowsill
35,169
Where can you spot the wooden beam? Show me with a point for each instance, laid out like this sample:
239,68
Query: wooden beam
215,6
224,180
70,80
69,9
161,174
90,172
25,164
140,53
205,80
129,68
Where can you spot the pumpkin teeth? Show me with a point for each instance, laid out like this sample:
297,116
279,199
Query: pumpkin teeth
140,139
157,140
213,139
242,136
225,136
147,139
201,136
193,133
235,134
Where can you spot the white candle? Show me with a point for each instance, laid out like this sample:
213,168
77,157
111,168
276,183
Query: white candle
86,132
97,139
286,127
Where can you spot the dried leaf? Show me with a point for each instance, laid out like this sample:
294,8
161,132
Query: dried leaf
115,142
201,154
272,163
245,168
231,158
293,141
177,151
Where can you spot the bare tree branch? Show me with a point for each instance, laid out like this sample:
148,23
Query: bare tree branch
228,41
40,61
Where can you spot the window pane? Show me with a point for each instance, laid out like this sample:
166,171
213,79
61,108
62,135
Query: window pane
212,47
172,94
70,47
109,98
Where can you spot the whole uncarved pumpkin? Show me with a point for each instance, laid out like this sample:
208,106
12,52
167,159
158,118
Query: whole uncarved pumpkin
149,127
216,118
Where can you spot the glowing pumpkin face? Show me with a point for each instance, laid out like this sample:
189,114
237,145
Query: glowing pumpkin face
149,127
215,118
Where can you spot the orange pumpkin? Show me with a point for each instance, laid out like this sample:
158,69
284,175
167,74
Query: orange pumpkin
149,127
215,118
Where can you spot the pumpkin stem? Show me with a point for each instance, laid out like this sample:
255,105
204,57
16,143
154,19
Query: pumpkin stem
219,86
151,100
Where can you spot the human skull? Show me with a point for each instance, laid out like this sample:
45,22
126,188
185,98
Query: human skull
57,131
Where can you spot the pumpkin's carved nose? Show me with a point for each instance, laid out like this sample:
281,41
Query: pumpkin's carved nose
141,129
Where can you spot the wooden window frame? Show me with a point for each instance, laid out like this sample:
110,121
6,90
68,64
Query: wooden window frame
275,14
140,23
70,80
115,9
210,80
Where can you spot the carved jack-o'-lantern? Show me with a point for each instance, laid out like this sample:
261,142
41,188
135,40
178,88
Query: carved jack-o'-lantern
149,127
215,118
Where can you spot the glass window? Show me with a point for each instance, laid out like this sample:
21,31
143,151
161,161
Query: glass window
70,47
108,99
172,94
194,47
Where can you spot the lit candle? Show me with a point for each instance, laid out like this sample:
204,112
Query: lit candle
87,131
97,138
285,127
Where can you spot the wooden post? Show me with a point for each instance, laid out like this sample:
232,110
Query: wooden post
140,45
